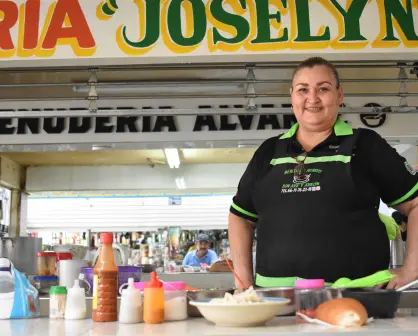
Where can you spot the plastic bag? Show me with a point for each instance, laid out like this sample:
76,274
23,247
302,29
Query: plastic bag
18,298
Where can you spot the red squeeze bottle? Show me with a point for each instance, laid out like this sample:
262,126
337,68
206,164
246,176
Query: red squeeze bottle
105,283
154,300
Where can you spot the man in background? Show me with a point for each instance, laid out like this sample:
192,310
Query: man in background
202,255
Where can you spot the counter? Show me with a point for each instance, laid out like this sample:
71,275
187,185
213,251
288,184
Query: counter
222,280
199,326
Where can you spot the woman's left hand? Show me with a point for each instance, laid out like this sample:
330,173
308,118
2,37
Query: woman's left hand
402,277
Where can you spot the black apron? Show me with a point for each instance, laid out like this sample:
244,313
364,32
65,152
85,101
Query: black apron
320,227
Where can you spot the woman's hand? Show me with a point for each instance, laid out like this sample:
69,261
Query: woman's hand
403,276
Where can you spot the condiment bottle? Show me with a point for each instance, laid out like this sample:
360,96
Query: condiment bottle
57,299
131,304
154,300
75,308
105,283
309,294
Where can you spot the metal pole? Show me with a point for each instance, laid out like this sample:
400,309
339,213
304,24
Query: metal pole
212,66
197,82
197,96
391,110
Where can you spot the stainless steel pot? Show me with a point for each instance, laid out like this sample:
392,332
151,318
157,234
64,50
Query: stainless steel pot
200,294
22,252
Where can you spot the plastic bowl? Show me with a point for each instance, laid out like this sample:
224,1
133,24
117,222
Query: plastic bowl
240,315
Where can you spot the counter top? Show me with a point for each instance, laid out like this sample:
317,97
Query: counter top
198,326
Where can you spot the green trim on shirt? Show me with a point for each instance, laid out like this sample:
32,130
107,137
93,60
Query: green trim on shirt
402,199
245,212
308,160
340,129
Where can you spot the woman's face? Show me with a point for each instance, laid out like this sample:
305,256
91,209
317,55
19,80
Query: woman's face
315,97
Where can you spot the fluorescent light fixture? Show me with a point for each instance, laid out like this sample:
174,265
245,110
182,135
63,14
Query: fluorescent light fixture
181,184
173,158
179,88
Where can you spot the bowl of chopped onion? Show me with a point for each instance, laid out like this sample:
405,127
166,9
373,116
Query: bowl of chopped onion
244,309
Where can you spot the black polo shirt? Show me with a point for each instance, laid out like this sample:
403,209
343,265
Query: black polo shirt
326,219
377,169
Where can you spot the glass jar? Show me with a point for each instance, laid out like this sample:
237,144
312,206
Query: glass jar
175,301
57,302
46,263
309,294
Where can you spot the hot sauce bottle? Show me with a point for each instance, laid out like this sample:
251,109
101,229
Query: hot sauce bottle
105,283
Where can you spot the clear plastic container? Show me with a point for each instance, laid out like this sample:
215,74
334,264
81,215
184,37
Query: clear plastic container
309,294
44,283
46,263
175,301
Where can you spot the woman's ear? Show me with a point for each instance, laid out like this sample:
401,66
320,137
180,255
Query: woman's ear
340,95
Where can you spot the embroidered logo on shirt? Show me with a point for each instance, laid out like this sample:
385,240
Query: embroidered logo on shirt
334,146
302,183
301,179
410,168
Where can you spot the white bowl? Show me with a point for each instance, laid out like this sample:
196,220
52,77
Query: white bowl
241,315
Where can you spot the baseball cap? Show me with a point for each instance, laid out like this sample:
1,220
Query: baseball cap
203,236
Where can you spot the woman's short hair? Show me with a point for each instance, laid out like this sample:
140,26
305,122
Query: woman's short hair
318,61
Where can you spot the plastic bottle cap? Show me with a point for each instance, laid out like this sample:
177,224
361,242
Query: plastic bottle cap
154,281
131,282
58,290
106,238
310,284
76,284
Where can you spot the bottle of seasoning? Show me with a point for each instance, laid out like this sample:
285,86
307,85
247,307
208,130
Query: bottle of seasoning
75,308
105,283
57,301
131,304
154,300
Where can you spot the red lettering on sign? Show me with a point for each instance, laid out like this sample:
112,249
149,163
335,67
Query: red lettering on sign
10,15
31,29
79,29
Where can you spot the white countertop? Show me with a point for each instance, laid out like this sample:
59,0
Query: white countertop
278,326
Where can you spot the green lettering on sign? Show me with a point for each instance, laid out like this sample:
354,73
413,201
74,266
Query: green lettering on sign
404,18
304,24
352,19
263,23
174,19
240,24
152,28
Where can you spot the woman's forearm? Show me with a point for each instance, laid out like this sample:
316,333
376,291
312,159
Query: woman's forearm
241,241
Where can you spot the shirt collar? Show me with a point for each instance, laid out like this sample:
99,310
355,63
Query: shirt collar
341,128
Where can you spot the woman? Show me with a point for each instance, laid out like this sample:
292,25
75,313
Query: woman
313,194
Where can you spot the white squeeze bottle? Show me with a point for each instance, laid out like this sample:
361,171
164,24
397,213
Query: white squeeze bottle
75,307
131,304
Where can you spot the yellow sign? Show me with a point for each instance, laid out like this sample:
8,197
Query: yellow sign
111,29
